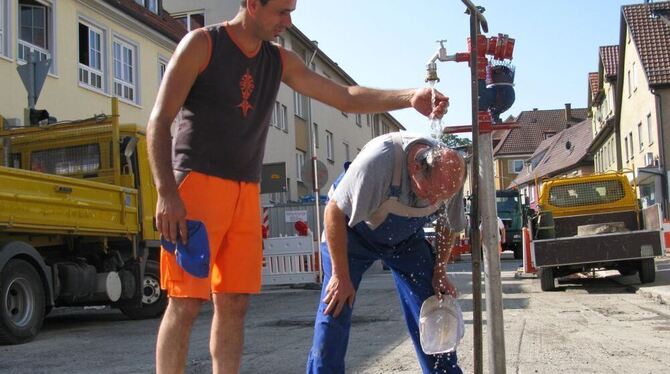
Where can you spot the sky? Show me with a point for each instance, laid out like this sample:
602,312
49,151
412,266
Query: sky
387,44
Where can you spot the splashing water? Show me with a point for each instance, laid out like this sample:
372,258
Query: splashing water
435,123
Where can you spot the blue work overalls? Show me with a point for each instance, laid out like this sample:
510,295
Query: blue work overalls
400,243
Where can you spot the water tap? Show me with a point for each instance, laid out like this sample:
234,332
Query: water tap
431,68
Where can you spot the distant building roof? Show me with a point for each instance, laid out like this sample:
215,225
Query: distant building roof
650,31
561,152
534,126
594,85
162,22
609,55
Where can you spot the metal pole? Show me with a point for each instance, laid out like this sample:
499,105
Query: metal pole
495,327
474,203
482,147
314,176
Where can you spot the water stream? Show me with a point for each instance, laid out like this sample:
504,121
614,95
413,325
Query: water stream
435,123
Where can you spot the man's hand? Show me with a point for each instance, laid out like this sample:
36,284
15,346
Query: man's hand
422,101
441,283
171,217
339,291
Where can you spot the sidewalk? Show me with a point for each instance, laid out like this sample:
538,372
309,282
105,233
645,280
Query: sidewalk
658,290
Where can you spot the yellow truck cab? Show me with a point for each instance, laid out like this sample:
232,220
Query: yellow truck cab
77,206
594,222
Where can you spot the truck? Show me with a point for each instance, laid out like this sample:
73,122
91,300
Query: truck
594,222
513,214
77,225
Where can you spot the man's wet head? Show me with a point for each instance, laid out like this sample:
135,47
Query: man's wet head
436,173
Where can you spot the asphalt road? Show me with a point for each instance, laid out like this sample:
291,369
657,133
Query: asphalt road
588,326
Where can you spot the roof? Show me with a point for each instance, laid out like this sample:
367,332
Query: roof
650,30
163,23
594,85
561,152
533,125
609,55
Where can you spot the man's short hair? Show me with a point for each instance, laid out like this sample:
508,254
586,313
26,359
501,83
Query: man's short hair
243,3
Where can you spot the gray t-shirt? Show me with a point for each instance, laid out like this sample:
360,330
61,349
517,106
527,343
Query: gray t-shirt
367,182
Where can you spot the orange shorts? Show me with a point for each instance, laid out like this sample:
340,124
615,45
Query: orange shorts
230,211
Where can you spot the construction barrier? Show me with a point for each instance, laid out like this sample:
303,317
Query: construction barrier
289,260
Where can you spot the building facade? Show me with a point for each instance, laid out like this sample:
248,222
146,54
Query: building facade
643,97
602,90
517,145
338,136
98,49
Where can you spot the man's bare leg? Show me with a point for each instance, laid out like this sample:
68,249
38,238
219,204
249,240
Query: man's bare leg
174,334
227,339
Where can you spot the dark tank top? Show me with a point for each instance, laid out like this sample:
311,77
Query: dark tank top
224,121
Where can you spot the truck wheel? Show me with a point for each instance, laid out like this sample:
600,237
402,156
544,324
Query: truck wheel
21,302
154,300
547,279
647,270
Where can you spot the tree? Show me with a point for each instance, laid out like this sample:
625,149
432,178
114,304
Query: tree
453,141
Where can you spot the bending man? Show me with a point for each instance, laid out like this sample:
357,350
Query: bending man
377,210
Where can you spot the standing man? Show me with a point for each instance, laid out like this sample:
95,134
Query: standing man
377,210
224,78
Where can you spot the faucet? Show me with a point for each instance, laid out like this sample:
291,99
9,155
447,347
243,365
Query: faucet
431,68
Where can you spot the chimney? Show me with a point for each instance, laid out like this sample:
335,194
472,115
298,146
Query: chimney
568,112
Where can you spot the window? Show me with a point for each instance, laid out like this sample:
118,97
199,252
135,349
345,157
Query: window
125,72
63,161
385,128
625,141
274,119
634,77
152,5
299,104
515,166
639,136
162,67
316,135
284,118
650,136
4,24
547,135
281,41
359,119
347,156
191,20
299,163
630,84
35,30
630,136
329,146
91,56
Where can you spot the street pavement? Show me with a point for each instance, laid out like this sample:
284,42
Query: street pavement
601,325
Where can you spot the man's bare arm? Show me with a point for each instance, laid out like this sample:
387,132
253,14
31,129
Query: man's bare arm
340,290
357,99
180,74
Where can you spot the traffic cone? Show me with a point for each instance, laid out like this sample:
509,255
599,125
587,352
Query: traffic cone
527,260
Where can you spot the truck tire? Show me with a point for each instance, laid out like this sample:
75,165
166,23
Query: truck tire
547,279
22,302
647,270
154,299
